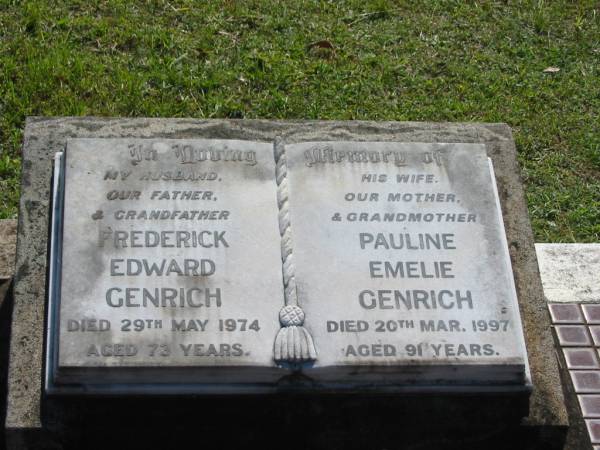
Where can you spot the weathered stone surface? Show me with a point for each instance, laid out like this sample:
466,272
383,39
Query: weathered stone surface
8,241
402,265
5,316
8,244
44,137
171,260
570,272
197,285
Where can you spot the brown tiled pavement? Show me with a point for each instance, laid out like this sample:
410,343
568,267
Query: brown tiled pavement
577,330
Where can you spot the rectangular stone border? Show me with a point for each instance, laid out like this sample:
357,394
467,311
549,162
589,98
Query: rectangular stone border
570,272
8,243
45,136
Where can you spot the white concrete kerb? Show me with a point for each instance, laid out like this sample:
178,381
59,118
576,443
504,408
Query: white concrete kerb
570,272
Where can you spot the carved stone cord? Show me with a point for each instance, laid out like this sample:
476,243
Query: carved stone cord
293,343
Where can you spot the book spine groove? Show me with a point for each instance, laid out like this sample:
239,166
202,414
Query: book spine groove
293,343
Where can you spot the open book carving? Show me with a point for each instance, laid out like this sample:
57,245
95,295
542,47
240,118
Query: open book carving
206,265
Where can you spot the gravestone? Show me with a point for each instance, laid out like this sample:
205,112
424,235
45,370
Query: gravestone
402,264
166,263
173,258
306,259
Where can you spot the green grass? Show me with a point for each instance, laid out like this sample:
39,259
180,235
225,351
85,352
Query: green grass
407,60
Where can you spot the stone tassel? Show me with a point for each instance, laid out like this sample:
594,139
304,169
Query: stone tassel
293,343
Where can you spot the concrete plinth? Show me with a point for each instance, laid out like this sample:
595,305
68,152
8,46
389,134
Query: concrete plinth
35,421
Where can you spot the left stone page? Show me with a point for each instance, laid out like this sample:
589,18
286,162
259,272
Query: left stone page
171,266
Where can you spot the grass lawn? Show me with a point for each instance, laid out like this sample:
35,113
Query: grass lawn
406,60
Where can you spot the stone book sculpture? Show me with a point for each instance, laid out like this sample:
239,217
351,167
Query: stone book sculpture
230,266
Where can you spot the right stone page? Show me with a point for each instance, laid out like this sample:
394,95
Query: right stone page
402,266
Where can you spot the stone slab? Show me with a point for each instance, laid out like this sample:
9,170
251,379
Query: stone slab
8,245
45,136
162,240
570,272
200,289
409,249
